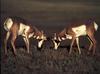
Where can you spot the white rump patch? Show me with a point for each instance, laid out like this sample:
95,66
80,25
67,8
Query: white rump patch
80,30
8,24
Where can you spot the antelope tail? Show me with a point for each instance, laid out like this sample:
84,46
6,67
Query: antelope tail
95,26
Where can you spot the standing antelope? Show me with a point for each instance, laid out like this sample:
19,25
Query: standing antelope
16,26
74,31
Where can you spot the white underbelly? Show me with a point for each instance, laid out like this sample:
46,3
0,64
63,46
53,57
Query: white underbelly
23,29
80,30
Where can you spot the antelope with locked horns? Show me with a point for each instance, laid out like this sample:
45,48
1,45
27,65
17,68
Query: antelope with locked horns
74,31
16,26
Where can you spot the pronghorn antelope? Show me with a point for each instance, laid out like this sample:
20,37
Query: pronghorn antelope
16,26
74,31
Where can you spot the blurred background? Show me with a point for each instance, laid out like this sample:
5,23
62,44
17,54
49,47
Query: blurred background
51,12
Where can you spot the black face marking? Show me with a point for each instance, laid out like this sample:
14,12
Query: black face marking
57,41
39,39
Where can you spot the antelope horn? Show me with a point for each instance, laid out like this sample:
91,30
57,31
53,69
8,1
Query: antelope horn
42,31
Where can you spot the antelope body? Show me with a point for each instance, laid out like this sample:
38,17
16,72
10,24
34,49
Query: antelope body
74,31
16,26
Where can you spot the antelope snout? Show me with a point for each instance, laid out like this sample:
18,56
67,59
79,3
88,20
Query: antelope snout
56,45
40,43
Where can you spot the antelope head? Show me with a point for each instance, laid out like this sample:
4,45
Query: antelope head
57,38
41,37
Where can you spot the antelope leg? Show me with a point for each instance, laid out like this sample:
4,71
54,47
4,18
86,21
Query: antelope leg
26,40
73,39
77,41
5,41
13,44
93,43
